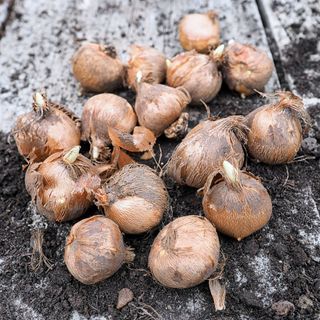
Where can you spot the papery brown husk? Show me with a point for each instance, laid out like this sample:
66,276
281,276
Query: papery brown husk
185,252
197,73
95,250
204,149
246,68
151,62
46,130
275,134
141,140
158,106
135,198
97,68
199,31
62,191
101,112
236,209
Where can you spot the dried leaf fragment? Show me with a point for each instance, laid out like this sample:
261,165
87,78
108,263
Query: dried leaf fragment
218,293
141,140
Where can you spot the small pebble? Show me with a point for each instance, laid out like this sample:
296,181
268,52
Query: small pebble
311,146
305,302
283,308
124,297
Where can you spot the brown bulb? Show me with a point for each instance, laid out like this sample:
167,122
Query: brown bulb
275,134
99,114
95,250
158,106
97,68
245,68
204,149
59,186
135,198
47,129
199,31
185,252
236,202
149,61
195,72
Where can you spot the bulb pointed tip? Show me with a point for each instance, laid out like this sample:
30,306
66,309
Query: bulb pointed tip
139,76
230,171
72,154
95,153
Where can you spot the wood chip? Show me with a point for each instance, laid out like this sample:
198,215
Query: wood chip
283,308
124,297
218,293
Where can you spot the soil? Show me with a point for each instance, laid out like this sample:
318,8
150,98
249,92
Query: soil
280,262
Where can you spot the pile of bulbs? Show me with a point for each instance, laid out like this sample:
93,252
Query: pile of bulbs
63,183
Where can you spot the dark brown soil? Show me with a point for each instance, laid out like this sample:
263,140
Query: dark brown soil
277,263
280,262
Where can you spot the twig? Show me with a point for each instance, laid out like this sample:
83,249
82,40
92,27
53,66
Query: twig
287,177
158,162
143,307
302,158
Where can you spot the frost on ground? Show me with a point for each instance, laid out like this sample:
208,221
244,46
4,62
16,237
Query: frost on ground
38,221
1,263
24,312
309,236
38,55
269,280
239,277
77,316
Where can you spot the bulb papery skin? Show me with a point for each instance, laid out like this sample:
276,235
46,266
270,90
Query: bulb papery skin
158,106
137,198
149,61
97,68
59,189
41,133
238,211
204,149
94,250
275,134
246,68
185,252
199,31
197,73
101,112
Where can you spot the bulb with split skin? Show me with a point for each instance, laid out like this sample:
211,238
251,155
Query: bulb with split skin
47,129
61,185
158,106
101,112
